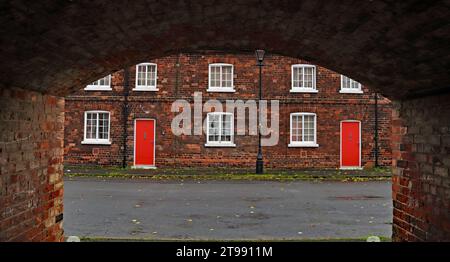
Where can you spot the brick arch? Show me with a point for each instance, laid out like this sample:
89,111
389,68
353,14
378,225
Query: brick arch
51,48
60,46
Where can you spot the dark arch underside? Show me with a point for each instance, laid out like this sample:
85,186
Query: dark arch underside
399,48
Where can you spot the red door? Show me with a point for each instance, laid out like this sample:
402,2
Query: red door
144,143
350,144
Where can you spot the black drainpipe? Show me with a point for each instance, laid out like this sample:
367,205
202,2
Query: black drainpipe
376,129
126,91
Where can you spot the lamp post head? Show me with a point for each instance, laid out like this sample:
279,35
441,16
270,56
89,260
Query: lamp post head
259,56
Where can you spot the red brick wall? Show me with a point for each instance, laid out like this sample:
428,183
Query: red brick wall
179,76
421,183
31,156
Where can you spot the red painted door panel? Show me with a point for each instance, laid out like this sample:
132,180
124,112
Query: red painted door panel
350,138
145,142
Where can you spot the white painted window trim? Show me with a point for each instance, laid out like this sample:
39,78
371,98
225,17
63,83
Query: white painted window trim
220,89
220,143
303,144
146,87
303,89
100,87
350,90
91,141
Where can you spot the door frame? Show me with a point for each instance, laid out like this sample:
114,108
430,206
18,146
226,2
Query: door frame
340,146
154,145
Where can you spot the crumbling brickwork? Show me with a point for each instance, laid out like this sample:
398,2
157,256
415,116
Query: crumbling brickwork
421,183
31,166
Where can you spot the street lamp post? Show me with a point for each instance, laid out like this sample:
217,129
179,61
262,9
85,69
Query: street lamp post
259,158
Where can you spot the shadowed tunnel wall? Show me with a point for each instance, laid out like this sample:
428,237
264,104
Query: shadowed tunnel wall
31,157
421,182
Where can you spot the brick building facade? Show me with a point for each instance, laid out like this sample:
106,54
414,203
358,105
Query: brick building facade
315,106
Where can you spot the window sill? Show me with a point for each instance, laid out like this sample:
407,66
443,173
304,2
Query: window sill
219,90
345,91
303,145
220,145
304,90
143,89
87,142
98,89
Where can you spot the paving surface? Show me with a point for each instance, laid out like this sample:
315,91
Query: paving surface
140,208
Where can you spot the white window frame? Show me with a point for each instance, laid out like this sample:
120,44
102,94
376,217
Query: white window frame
312,89
146,87
220,89
350,90
220,143
97,141
92,87
303,143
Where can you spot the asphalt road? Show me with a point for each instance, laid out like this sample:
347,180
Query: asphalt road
142,208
